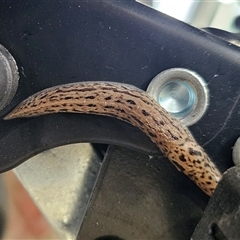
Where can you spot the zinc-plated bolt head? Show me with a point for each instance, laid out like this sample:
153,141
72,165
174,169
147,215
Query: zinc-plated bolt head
8,77
182,92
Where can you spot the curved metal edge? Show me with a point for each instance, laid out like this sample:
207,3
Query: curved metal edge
42,133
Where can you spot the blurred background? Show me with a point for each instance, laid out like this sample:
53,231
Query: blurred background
28,222
222,14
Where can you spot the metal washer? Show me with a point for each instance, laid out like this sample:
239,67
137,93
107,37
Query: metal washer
190,78
8,77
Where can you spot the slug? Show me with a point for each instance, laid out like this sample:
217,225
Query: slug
136,107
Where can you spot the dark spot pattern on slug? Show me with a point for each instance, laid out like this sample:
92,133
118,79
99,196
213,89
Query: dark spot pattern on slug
182,158
152,134
91,105
42,96
109,107
178,166
161,122
79,90
120,110
145,113
155,121
147,102
131,94
137,120
192,177
50,110
67,98
202,175
173,136
197,161
89,97
194,152
131,102
206,165
108,98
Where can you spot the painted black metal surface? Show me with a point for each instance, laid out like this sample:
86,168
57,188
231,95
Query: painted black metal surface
221,218
57,42
138,198
227,36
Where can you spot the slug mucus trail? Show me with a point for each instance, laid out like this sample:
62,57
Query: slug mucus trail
136,107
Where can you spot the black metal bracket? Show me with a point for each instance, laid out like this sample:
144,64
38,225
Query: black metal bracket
56,42
138,198
221,219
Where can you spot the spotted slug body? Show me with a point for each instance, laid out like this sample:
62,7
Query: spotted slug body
136,107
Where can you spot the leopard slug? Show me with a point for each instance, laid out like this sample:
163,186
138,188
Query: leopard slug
136,107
